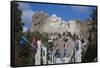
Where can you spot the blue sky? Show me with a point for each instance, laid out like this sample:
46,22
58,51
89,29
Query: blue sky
66,12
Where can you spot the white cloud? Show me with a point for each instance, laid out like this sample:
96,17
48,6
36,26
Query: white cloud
24,6
27,17
80,8
25,29
27,13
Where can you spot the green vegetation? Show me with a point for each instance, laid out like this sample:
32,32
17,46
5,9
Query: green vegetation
91,52
22,56
18,33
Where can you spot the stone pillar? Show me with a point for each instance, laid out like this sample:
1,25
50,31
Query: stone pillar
52,58
38,54
78,53
44,55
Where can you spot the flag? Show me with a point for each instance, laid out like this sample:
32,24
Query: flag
22,42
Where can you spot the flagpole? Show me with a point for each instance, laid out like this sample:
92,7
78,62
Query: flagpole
27,41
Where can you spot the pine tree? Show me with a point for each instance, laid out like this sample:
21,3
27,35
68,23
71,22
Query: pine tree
91,52
22,56
16,14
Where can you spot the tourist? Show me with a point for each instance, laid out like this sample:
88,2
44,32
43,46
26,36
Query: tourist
65,50
57,53
65,46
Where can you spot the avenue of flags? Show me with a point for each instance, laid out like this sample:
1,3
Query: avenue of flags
36,45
